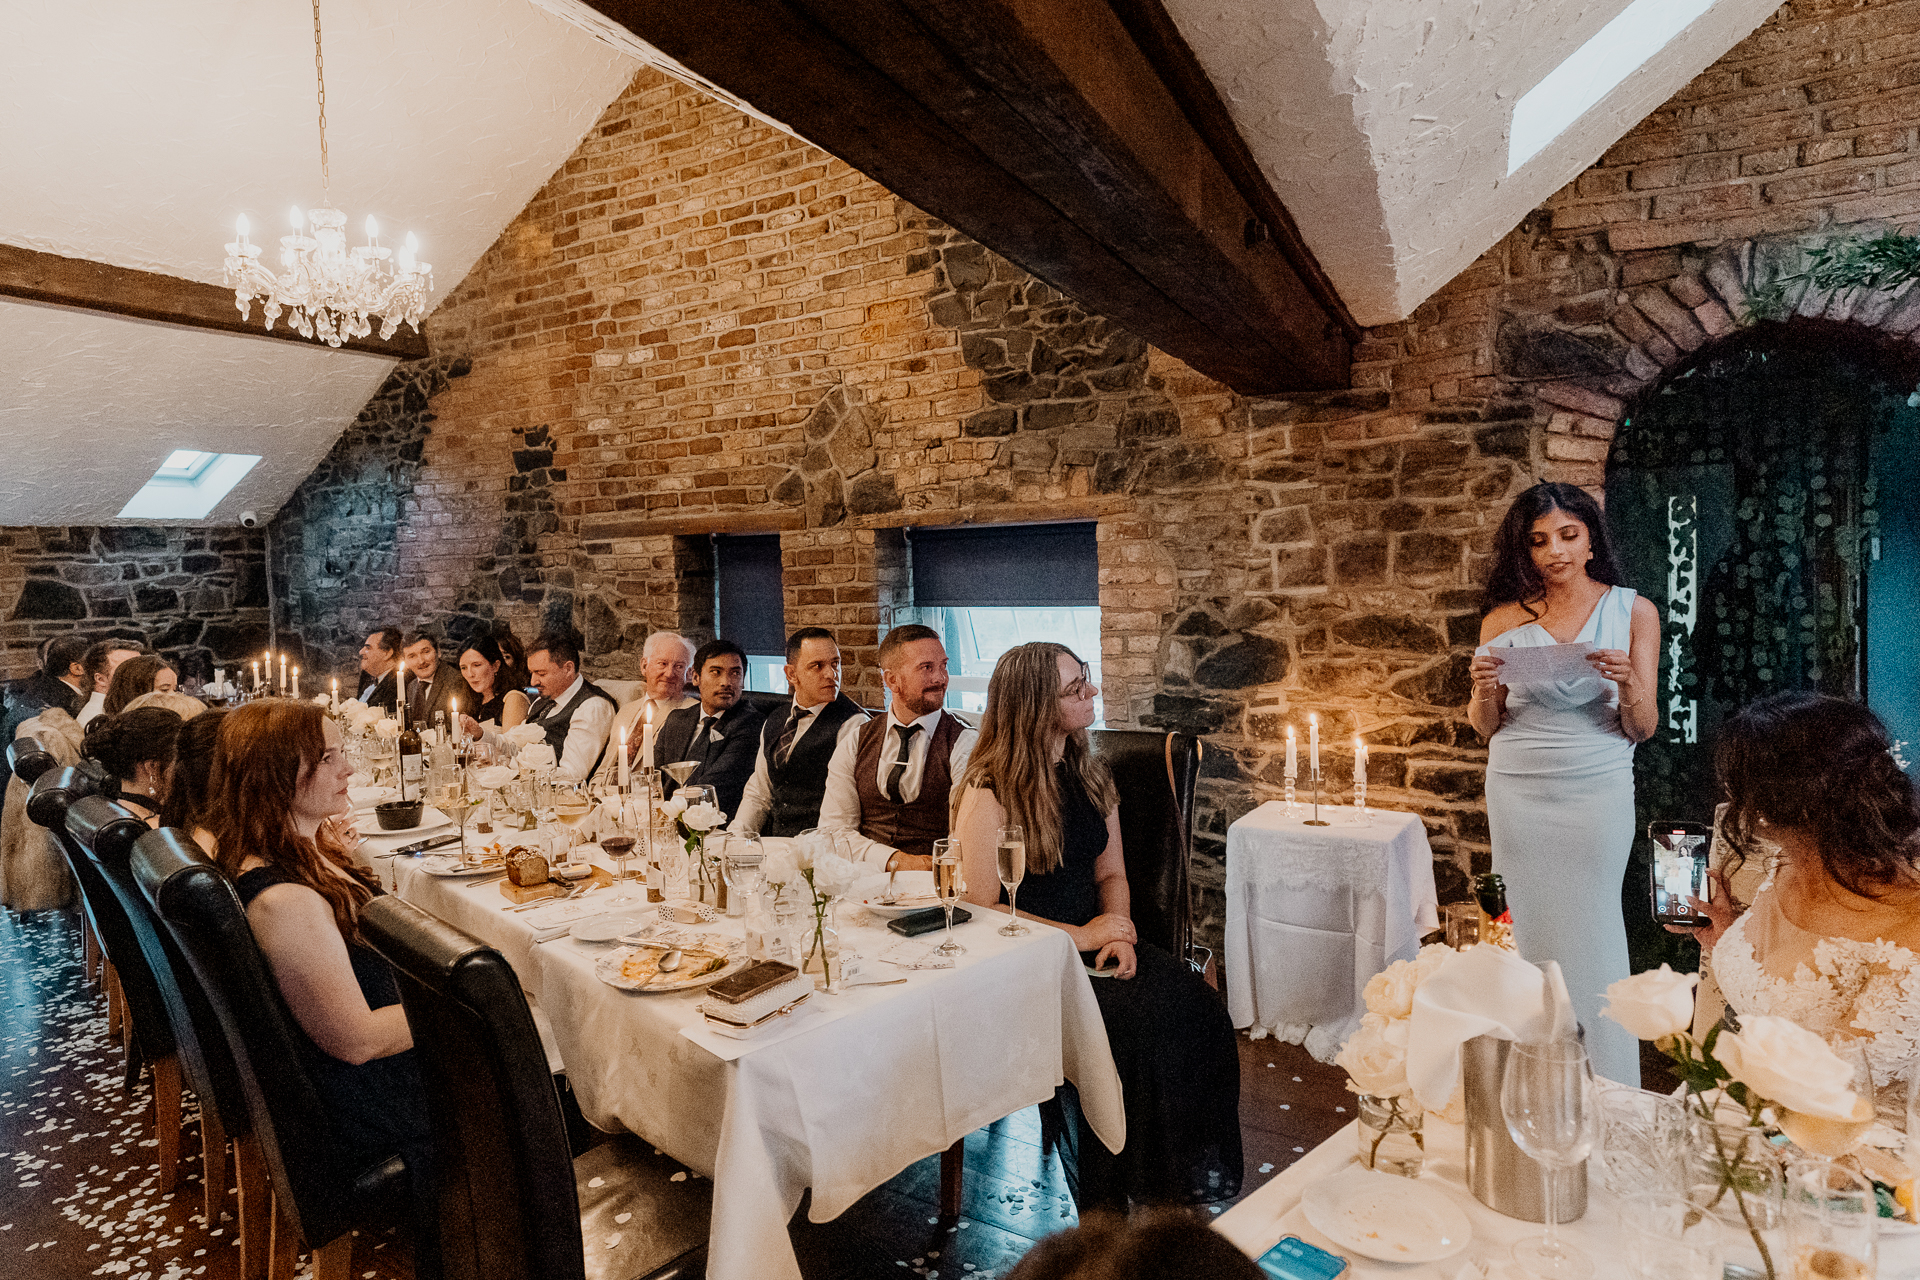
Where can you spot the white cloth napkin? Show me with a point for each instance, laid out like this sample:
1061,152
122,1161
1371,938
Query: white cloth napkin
1482,991
552,921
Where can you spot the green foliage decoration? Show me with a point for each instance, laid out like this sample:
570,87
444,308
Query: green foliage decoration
1882,263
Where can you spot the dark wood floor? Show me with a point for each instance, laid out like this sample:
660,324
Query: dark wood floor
83,1198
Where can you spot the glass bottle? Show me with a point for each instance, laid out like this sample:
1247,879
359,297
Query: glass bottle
1497,927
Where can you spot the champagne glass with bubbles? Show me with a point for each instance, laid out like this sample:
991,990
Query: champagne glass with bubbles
950,885
1010,852
1547,1098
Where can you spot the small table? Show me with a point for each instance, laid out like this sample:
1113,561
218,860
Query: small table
1314,912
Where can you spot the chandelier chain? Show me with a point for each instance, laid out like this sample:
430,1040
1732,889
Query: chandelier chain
320,76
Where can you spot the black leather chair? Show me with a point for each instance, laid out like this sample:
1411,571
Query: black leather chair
319,1195
511,1192
47,804
107,833
27,759
1155,774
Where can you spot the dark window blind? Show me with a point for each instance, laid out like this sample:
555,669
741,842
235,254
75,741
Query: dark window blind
1006,566
751,608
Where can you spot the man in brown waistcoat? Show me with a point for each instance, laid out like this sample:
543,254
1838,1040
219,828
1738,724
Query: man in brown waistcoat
893,780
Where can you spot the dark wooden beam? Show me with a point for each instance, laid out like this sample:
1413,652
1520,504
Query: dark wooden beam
147,295
1043,130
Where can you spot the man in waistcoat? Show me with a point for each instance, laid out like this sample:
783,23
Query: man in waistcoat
789,780
893,780
379,661
574,712
718,733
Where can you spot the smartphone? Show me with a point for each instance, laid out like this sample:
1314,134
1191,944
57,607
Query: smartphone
419,847
1295,1259
1678,870
915,923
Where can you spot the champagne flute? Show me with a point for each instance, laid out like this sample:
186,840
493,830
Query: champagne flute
573,807
1547,1098
1010,852
949,884
1832,1139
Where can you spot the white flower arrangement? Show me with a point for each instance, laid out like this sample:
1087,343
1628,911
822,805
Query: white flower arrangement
1375,1056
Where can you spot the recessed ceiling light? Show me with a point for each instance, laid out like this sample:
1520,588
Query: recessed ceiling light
188,485
1594,70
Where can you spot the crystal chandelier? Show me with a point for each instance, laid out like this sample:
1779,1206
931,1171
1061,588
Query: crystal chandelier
334,292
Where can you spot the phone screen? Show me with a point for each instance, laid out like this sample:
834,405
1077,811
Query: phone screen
1295,1259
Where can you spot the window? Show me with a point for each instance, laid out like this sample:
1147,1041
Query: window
188,485
988,588
749,607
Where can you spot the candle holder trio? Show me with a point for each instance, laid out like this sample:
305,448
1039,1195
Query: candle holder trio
1360,817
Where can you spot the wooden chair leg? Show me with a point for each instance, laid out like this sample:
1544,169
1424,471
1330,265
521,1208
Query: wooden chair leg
334,1261
953,1162
166,1118
283,1256
256,1207
90,956
116,1008
213,1161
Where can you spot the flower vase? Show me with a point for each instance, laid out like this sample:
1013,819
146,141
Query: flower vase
823,943
1733,1172
1391,1135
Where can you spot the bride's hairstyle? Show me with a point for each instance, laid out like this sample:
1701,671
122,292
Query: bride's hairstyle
1822,765
1514,578
1013,757
265,750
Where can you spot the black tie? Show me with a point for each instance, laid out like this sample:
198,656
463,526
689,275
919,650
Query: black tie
540,707
784,747
699,748
900,763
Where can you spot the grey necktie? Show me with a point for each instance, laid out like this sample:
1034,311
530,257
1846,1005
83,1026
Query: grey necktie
790,734
899,770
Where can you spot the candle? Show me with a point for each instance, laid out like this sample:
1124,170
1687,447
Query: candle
296,682
336,695
1313,742
626,764
400,693
1359,761
646,735
256,677
1293,756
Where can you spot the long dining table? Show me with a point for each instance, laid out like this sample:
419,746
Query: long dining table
839,1099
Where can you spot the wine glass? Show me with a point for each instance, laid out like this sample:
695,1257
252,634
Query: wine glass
950,885
1832,1220
573,806
1547,1098
1010,852
619,846
740,864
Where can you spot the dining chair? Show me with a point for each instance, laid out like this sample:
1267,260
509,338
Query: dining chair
515,1203
1155,774
108,833
319,1194
27,759
47,805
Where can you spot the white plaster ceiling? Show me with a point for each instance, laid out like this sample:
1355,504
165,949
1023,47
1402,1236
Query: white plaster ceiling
1382,124
133,132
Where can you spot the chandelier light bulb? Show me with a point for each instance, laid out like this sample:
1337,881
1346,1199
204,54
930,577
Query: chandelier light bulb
373,229
241,225
295,218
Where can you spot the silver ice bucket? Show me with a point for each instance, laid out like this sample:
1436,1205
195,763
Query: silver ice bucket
1503,1177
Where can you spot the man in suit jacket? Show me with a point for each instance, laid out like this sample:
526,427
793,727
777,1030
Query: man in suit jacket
379,659
664,663
798,740
61,682
721,733
431,683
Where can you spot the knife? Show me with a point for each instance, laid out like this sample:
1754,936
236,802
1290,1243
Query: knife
432,842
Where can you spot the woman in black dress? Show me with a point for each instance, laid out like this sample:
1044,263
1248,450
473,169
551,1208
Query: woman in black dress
489,671
1172,1041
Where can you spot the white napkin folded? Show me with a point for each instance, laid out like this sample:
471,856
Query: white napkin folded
552,921
1482,991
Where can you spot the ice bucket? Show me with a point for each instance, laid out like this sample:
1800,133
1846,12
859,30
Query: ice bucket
1501,1176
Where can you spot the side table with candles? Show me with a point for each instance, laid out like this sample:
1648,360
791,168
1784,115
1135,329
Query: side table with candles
1314,912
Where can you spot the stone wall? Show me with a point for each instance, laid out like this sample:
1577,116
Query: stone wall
197,595
703,325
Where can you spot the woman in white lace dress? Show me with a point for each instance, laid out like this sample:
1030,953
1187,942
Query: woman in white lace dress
1832,938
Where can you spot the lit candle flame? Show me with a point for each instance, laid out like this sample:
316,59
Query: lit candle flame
295,218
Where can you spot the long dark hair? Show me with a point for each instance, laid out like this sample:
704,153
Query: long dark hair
124,742
132,678
501,678
1515,579
192,778
1822,765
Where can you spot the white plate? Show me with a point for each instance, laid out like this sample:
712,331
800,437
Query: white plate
607,928
447,866
607,969
914,889
1387,1218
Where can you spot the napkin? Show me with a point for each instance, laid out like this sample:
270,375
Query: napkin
552,921
1482,991
916,955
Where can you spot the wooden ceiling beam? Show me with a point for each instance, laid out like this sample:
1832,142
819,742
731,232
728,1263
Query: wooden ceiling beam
1042,129
146,295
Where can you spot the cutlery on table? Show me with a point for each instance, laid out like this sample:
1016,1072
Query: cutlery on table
492,879
888,898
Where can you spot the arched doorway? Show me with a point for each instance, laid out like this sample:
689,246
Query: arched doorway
1763,498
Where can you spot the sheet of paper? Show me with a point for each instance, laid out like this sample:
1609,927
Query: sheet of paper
1545,664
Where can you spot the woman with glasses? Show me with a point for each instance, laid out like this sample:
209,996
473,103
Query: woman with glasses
1172,1042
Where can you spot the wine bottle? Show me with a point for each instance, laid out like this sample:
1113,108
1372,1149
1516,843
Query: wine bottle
412,765
1497,927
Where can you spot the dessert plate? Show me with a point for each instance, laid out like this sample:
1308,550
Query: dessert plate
1389,1219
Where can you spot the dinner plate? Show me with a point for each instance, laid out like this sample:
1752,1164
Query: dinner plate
914,889
607,969
609,928
1387,1218
447,867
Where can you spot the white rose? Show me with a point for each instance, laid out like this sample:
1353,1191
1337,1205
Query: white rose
352,705
1389,993
321,700
387,727
703,817
535,756
1788,1065
835,876
779,867
674,808
811,846
1653,1005
494,776
1376,1056
524,735
1431,957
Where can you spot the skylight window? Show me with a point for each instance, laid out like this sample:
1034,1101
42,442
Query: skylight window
188,485
1594,70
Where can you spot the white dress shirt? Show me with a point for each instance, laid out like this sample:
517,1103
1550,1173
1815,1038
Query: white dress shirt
586,733
96,703
757,800
840,809
629,719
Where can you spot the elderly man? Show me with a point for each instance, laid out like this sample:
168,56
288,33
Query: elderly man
783,796
379,656
431,684
571,710
102,660
893,780
663,669
719,733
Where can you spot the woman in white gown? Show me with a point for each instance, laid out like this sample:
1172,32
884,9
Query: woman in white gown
1560,753
1830,939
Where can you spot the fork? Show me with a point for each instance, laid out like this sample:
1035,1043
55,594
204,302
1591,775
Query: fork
888,898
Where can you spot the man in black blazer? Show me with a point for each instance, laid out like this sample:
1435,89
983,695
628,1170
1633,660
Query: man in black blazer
431,683
379,659
721,733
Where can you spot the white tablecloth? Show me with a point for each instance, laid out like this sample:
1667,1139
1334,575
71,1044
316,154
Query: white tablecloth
841,1101
1314,912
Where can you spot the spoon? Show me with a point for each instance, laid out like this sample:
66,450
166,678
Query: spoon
888,898
670,961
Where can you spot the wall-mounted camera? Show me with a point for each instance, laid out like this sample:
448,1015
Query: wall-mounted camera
249,519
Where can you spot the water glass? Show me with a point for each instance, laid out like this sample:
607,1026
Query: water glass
1832,1222
1642,1140
1463,924
1547,1099
1665,1237
740,858
1010,853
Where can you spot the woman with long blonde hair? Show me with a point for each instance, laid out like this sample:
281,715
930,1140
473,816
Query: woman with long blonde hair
1172,1042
